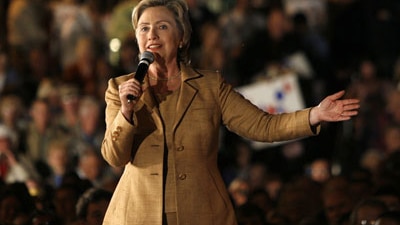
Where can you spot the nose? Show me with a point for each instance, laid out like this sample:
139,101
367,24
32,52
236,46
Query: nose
152,35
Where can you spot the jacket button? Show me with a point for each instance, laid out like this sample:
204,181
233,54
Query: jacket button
182,176
119,129
180,148
115,134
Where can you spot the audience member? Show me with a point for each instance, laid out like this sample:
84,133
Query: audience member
59,161
89,131
15,204
12,116
367,211
70,22
320,170
239,191
92,206
91,166
65,199
295,204
337,201
68,118
82,71
40,131
14,166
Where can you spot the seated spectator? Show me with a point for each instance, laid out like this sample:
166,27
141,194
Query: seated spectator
92,206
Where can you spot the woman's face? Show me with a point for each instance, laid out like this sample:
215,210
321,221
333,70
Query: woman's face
157,32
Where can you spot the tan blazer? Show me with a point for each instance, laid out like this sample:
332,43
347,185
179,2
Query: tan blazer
205,103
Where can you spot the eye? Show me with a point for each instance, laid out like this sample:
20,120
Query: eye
163,27
143,29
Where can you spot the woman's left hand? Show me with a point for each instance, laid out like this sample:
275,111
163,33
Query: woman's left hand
332,109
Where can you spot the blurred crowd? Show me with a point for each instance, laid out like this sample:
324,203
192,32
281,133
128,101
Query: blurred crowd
56,57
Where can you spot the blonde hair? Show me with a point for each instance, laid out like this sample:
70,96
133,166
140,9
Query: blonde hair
180,10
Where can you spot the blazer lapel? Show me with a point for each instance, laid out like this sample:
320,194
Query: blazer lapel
188,92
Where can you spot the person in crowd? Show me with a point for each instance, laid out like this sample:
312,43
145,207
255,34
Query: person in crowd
167,138
40,131
320,170
16,205
92,206
367,211
337,202
59,161
239,190
65,199
14,166
91,166
12,116
295,203
68,118
89,130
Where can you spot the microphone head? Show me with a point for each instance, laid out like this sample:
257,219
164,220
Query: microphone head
147,56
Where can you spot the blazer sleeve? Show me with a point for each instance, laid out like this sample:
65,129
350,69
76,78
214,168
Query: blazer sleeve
118,138
247,120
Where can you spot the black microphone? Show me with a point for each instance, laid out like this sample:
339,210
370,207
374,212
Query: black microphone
146,58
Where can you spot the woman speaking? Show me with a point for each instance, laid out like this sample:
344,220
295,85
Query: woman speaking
167,137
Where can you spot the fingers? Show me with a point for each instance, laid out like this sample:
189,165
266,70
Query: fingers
337,95
129,88
350,108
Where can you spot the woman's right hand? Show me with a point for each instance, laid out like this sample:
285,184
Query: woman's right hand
129,87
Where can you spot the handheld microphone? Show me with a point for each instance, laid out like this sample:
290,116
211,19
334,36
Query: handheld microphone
146,58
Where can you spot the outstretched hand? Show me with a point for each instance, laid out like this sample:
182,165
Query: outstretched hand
334,109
